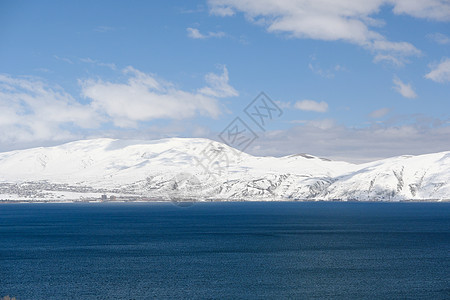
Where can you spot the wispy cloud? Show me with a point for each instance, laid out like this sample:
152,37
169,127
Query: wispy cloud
283,105
439,38
64,59
194,33
440,72
391,59
198,9
98,63
43,70
326,73
103,29
311,105
379,113
404,89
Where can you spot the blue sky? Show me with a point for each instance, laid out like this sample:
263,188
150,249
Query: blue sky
355,81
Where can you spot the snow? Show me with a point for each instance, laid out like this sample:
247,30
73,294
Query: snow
169,169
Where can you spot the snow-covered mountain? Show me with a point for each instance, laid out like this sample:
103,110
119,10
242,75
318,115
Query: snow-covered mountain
202,169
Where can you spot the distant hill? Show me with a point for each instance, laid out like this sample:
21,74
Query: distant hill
180,168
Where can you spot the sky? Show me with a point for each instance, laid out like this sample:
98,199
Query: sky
351,80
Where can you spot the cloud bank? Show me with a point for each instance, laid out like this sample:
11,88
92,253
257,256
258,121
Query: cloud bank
32,110
415,135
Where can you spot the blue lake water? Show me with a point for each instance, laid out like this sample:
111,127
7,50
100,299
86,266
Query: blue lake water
225,250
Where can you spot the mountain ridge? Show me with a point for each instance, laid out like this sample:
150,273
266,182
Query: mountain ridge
173,168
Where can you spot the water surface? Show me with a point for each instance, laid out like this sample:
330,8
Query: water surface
225,250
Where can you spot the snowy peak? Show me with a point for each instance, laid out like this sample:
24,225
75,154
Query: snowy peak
181,167
308,156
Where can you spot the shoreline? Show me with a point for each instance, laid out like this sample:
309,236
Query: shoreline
217,201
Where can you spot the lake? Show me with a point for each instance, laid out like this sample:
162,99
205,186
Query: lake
232,250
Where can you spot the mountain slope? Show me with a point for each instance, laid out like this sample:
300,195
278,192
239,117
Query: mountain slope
177,168
399,178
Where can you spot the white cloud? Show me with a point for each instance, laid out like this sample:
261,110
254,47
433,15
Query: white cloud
438,10
218,85
394,60
404,89
310,105
379,43
144,97
31,110
33,113
440,72
439,38
379,113
194,33
333,20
